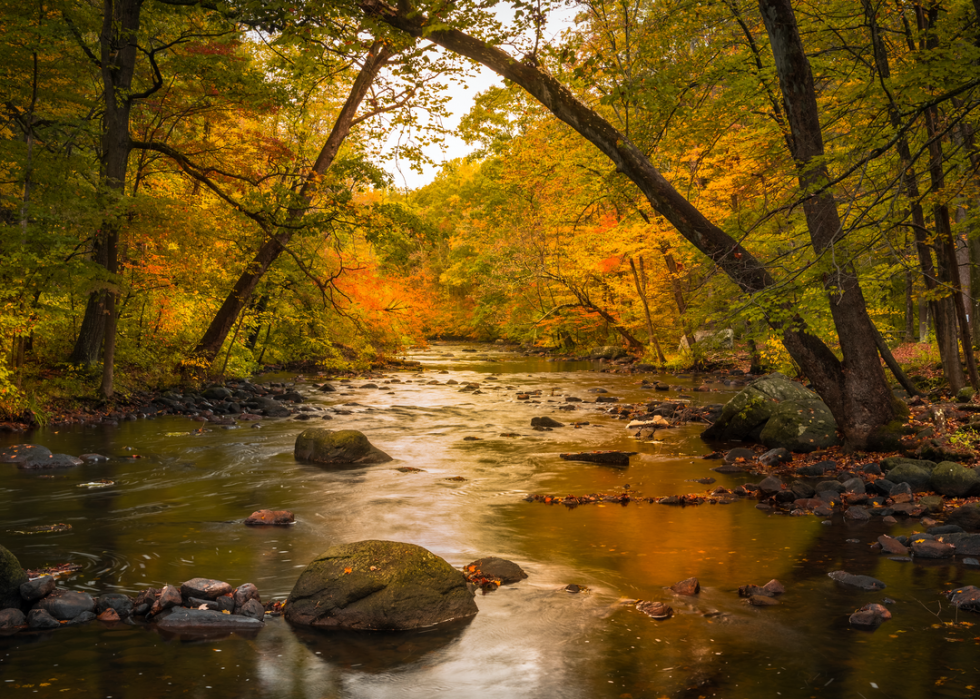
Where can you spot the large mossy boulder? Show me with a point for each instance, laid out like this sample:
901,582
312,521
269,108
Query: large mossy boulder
377,586
800,425
800,421
12,576
953,480
323,446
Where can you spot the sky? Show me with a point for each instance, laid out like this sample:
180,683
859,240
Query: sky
462,98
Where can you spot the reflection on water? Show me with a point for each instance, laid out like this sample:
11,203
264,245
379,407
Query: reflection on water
176,508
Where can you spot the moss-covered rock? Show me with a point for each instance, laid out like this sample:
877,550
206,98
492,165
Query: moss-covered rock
954,480
12,576
800,425
379,585
893,461
337,447
802,416
917,475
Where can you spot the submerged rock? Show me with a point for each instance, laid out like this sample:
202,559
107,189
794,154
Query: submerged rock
862,582
324,446
545,422
607,458
270,517
379,585
49,461
22,452
198,620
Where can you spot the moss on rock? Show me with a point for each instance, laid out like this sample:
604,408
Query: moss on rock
324,446
379,585
11,578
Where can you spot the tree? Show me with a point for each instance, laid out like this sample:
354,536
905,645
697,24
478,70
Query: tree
855,400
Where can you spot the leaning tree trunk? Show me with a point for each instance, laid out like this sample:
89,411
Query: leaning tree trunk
817,360
214,337
865,390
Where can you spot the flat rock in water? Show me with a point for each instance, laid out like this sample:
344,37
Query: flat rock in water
729,468
270,517
607,458
205,588
545,422
892,546
932,549
861,582
494,568
50,461
379,585
22,452
181,619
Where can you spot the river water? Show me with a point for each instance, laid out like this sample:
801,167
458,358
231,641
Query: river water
179,497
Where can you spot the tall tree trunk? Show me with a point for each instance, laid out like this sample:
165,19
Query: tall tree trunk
214,337
938,307
865,389
945,243
817,360
118,51
641,292
675,287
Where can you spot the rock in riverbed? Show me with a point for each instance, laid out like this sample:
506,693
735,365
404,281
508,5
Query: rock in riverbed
493,568
379,585
870,617
270,517
12,576
862,582
607,458
324,446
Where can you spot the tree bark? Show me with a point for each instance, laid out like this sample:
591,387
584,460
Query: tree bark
938,307
641,292
866,394
118,52
214,337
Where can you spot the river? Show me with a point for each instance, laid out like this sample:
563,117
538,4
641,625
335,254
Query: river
179,497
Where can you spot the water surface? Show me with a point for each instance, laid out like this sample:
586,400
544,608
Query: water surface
176,508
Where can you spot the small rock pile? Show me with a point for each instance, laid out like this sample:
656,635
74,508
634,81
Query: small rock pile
197,605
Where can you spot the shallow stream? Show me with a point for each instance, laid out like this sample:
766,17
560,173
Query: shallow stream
179,498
